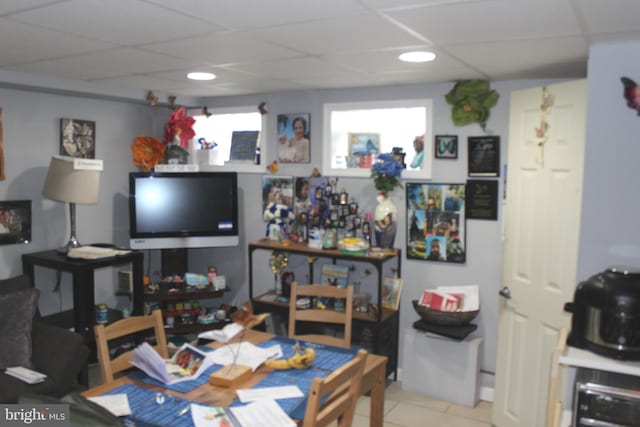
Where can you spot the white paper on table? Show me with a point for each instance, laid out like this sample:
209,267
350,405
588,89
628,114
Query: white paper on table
471,300
117,404
262,413
273,393
224,334
243,353
208,416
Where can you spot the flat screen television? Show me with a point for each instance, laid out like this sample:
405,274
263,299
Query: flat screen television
183,210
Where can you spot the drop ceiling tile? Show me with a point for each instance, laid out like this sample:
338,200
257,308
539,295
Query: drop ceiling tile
362,32
26,43
113,63
246,14
12,6
127,22
291,68
224,48
490,20
529,54
611,16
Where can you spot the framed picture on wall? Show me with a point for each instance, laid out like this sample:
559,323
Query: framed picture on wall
436,222
78,138
363,149
484,155
15,222
446,147
294,141
482,199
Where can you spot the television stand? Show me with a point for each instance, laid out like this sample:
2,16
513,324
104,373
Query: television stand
174,261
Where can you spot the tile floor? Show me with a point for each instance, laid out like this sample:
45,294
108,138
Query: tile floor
403,409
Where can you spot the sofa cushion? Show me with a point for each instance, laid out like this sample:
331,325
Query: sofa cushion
16,317
13,284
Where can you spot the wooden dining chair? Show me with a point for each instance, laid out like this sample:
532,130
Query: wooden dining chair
334,397
124,328
328,315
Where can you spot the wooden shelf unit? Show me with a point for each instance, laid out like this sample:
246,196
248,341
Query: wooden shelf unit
376,329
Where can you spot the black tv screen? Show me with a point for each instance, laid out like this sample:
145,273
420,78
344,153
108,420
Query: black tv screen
183,210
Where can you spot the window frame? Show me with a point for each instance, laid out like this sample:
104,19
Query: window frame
262,142
328,146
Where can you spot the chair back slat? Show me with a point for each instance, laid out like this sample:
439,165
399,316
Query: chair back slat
123,328
328,315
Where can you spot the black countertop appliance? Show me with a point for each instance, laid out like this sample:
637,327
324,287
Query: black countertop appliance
606,314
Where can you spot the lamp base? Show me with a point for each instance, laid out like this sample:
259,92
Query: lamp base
72,243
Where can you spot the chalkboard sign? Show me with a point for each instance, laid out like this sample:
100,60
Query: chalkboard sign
243,145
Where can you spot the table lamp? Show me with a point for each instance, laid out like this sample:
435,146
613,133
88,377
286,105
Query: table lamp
73,180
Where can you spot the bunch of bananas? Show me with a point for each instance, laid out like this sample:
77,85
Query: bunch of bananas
300,360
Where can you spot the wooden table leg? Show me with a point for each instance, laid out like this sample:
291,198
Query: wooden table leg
376,415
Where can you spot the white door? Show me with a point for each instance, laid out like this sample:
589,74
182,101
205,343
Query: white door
542,223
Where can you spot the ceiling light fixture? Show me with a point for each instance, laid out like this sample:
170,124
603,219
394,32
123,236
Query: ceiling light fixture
417,56
201,76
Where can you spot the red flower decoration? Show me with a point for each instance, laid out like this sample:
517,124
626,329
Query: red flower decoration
180,125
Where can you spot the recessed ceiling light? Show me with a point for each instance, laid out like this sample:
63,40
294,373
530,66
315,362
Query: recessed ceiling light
417,56
201,76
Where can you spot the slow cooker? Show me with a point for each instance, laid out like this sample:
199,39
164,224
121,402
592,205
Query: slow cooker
606,314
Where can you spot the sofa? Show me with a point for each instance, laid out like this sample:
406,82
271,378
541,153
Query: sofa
26,340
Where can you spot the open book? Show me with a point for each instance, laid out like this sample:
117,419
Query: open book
186,364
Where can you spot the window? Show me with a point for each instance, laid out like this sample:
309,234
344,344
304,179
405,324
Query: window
354,133
218,128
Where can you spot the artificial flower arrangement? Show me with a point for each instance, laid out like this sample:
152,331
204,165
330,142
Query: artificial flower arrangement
148,151
386,172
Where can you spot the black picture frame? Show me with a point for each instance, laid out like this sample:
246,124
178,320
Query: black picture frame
15,222
484,156
78,138
436,219
445,147
482,199
243,145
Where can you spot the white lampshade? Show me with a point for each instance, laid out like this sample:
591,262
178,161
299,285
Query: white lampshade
73,180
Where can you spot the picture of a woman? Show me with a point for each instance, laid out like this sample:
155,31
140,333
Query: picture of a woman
293,138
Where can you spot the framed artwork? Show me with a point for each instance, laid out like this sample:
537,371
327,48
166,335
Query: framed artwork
484,155
482,199
446,147
391,290
243,145
15,222
363,149
436,223
78,138
294,141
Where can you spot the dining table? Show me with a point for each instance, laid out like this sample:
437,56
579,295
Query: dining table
373,382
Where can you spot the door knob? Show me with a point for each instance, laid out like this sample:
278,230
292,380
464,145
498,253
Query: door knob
505,292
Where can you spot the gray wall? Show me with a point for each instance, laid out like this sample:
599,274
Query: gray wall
610,235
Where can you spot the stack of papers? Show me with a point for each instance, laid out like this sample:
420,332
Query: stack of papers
27,375
186,364
224,334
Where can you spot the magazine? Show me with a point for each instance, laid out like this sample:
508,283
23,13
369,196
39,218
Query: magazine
335,275
391,289
186,364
